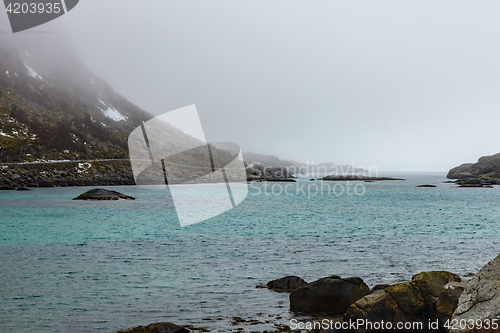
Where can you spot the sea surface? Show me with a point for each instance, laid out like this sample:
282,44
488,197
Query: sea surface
101,266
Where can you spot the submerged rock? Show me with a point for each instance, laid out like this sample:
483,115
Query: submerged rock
287,283
332,295
157,328
480,300
426,185
102,194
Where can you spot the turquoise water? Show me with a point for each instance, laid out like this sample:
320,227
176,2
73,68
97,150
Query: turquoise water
82,266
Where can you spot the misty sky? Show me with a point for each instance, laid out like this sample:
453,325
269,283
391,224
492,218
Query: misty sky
402,85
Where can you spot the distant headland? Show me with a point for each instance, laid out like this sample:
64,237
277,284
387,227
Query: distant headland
484,173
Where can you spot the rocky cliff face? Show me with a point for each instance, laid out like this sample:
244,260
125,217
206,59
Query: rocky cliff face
486,167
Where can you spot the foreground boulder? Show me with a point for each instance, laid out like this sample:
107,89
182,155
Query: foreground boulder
379,287
287,283
412,302
102,194
157,328
481,300
332,295
448,300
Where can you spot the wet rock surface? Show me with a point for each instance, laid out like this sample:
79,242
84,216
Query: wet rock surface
287,283
448,300
379,287
157,328
406,302
332,295
102,194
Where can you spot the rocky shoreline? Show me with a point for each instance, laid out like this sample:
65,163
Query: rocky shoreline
67,174
106,173
435,301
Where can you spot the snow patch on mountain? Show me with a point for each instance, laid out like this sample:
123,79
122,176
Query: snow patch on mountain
110,112
32,73
113,114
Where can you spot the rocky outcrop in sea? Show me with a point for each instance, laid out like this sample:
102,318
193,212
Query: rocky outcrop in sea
103,194
430,302
484,173
287,283
332,295
430,298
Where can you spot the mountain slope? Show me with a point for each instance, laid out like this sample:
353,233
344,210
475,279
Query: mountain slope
52,106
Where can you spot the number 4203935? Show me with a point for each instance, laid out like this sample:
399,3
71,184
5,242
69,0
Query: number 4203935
472,324
33,8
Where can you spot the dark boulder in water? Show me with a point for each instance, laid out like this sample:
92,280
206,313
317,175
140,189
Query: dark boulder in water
102,194
332,295
157,328
287,283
